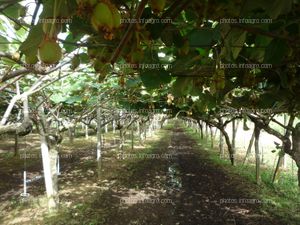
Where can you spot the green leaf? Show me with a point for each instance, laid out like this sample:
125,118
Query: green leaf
132,83
257,54
13,11
8,62
80,26
238,102
151,57
84,58
279,7
284,80
196,89
199,106
238,38
155,30
3,43
276,51
255,5
201,38
233,44
167,36
191,15
154,78
182,86
67,8
277,25
262,41
48,8
266,101
71,42
33,39
73,99
178,39
57,98
206,102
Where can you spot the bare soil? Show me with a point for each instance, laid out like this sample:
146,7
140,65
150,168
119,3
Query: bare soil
170,181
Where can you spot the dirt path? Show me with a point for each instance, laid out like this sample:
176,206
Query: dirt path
208,195
172,182
180,188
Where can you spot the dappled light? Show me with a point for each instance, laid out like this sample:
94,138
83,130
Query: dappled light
149,112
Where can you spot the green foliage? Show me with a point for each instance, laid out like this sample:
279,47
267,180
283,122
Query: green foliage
202,38
233,44
276,52
155,78
190,45
13,10
33,40
178,49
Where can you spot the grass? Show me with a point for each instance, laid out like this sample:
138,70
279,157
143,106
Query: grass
282,198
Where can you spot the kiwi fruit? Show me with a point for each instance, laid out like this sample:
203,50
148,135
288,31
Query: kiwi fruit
102,18
157,6
49,52
31,59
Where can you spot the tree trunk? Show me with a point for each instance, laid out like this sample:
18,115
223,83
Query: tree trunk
233,135
8,110
299,176
249,148
121,146
149,129
16,147
262,155
211,137
201,132
221,145
283,161
206,130
71,133
277,169
86,132
201,129
281,156
195,127
132,137
106,128
99,141
21,129
257,154
48,158
229,146
163,121
114,126
137,127
296,148
141,133
145,131
99,168
53,153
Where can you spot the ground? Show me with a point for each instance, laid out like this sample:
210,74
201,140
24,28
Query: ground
169,181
